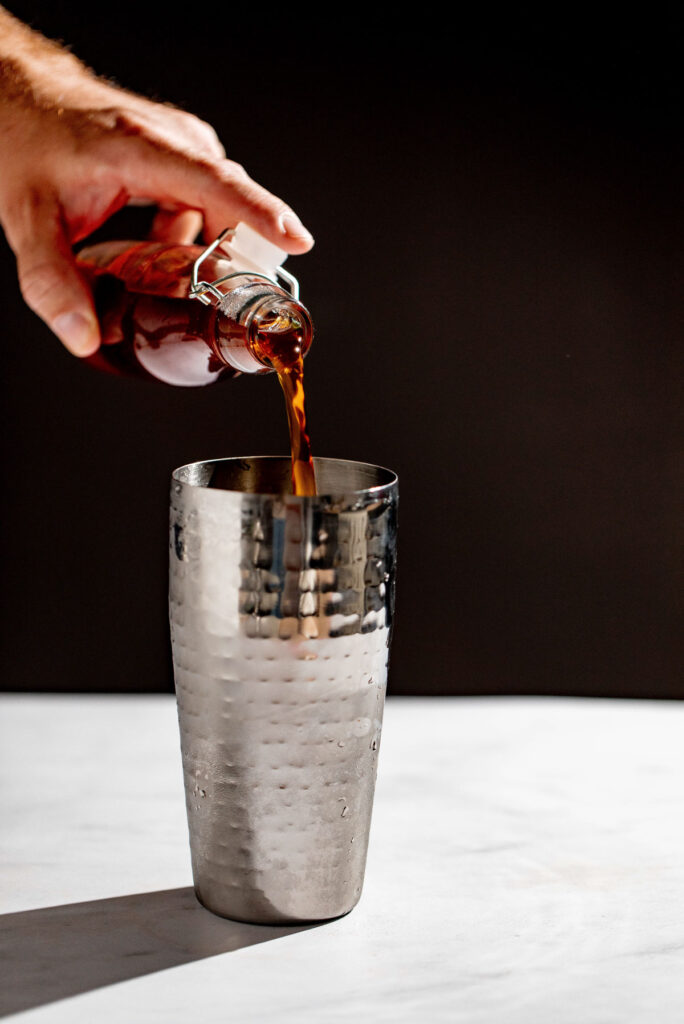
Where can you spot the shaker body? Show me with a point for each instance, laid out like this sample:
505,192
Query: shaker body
281,612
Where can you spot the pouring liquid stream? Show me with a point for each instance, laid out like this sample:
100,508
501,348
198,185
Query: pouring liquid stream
279,344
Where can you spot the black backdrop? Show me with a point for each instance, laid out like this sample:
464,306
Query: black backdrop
497,293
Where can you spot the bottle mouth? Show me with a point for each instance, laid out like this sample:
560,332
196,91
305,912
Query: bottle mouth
280,332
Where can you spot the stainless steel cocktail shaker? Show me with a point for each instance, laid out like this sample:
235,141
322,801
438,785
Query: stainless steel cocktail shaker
281,611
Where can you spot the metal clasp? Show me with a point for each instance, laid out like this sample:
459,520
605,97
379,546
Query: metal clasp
205,290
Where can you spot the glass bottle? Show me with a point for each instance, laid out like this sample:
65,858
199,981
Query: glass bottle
153,326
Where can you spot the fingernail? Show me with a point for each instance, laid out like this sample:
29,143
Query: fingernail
78,332
291,225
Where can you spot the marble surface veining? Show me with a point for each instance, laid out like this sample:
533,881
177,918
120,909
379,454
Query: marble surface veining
526,865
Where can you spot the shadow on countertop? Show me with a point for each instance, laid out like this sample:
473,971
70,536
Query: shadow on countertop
56,952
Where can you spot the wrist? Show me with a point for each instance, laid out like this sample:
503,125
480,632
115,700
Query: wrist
35,72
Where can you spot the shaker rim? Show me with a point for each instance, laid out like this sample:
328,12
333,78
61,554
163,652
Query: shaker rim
182,475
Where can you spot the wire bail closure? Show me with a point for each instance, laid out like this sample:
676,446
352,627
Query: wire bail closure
208,292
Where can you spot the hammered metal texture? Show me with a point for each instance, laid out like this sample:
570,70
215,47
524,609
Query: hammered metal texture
280,611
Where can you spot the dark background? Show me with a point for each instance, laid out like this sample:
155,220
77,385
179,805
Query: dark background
497,292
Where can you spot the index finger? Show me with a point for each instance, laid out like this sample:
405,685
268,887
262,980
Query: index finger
220,189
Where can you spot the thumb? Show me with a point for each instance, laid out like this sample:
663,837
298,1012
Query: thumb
48,277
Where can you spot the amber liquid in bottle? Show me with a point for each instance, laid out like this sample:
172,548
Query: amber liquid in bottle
150,314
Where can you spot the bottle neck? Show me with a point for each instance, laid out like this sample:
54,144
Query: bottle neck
271,332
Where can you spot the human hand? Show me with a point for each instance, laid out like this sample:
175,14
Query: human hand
76,149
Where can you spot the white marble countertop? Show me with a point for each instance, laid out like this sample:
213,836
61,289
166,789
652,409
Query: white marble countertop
526,865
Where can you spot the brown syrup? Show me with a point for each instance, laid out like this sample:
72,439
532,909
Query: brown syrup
141,300
282,349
